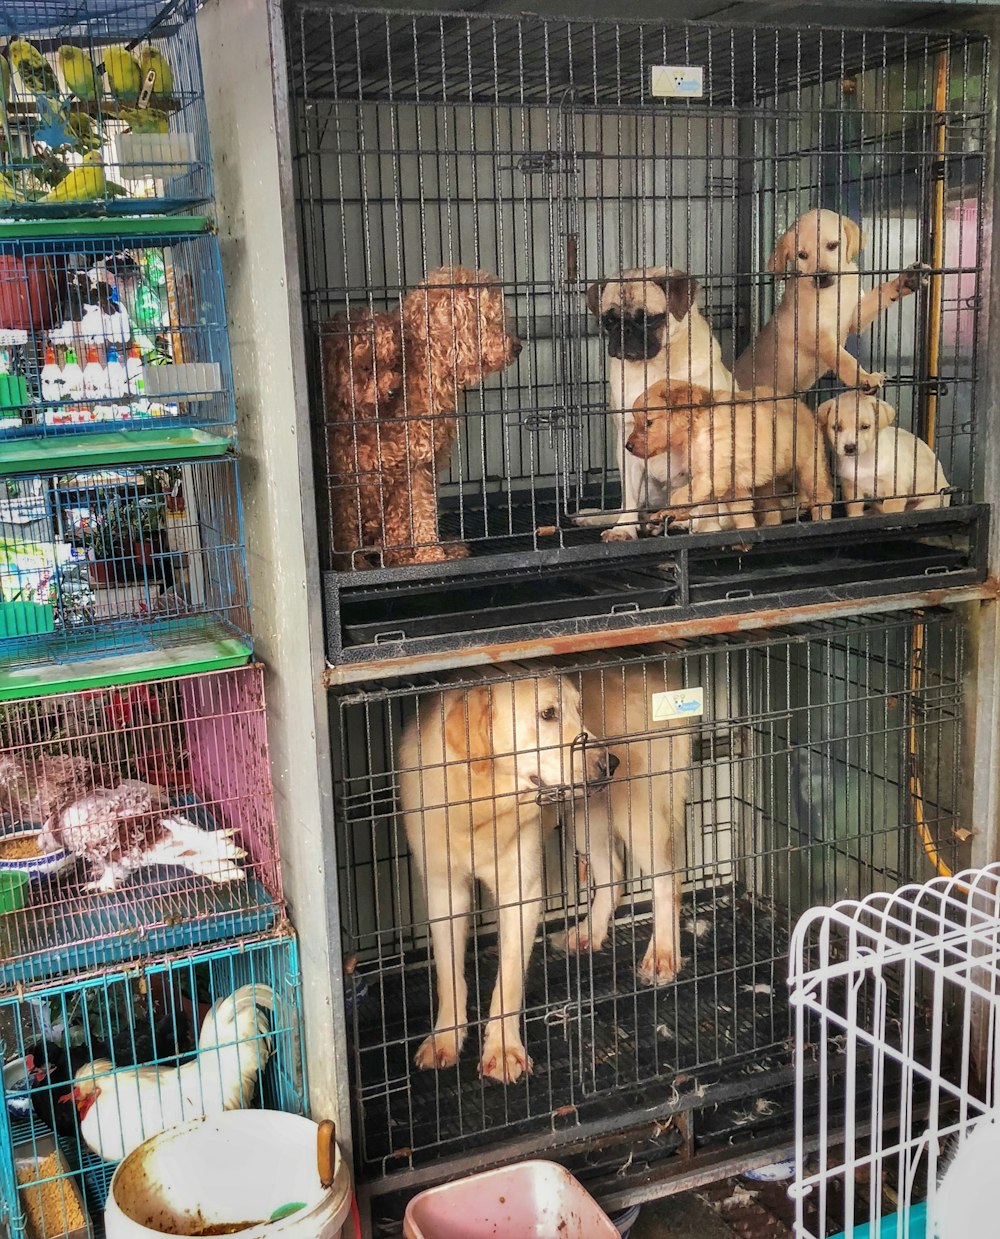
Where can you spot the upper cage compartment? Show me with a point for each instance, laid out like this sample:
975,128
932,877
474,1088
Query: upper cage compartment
550,155
104,109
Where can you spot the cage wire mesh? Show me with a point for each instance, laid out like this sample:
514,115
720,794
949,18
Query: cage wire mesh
814,762
143,322
107,561
56,1162
104,109
133,820
905,987
544,153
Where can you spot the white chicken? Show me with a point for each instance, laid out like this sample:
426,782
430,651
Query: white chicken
118,1110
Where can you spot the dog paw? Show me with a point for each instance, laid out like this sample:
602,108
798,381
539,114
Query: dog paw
621,533
658,966
914,278
577,939
504,1063
870,382
438,1050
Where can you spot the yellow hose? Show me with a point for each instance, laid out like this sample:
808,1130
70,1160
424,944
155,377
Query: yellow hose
933,354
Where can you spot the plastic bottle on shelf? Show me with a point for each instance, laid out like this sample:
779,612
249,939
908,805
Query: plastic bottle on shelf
51,378
95,383
72,378
117,377
135,382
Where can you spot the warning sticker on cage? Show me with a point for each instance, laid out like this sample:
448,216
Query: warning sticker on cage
676,81
678,703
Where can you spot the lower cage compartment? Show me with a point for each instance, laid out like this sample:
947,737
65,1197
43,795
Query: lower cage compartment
148,1018
754,776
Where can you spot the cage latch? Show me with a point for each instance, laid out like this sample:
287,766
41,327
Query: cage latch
384,638
542,163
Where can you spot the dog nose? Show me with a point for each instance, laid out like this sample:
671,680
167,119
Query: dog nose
824,281
515,346
533,778
630,447
850,449
613,763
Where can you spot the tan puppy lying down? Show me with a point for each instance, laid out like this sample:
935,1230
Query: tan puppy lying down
731,449
877,462
478,764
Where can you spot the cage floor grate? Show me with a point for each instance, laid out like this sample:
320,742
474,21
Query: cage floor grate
602,1043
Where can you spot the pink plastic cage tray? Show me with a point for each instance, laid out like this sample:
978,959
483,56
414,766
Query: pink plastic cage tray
197,860
532,1200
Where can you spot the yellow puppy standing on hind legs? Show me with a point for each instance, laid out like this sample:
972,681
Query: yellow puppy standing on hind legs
478,765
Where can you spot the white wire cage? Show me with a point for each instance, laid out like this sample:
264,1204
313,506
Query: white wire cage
896,1002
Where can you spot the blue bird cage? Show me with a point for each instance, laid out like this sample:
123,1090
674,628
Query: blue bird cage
112,346
135,819
104,109
150,1019
104,562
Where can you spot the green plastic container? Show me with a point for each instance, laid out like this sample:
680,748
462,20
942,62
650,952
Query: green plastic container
26,619
13,890
916,1226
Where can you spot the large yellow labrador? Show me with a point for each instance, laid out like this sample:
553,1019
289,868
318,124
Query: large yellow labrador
479,764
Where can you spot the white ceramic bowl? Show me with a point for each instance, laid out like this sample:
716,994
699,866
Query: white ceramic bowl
36,867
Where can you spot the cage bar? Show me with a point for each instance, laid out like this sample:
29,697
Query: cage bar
805,763
151,1019
134,820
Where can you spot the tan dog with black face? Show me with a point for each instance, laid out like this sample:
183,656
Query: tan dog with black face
734,452
822,305
654,331
478,765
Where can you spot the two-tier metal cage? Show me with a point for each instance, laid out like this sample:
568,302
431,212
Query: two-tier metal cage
465,183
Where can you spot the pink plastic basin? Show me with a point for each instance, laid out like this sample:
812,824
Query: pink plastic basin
532,1200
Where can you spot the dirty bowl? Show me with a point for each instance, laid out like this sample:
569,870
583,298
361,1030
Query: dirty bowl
242,1167
13,890
40,866
532,1200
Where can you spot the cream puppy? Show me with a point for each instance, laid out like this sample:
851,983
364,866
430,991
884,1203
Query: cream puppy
878,463
822,305
654,331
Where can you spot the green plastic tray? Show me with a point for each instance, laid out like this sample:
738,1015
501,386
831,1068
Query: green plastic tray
108,226
213,652
112,447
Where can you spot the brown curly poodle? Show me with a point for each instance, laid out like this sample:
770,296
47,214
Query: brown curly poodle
390,433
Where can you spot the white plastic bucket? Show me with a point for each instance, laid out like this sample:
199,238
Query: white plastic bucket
238,1167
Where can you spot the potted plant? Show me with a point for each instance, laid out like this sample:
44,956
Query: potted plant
127,535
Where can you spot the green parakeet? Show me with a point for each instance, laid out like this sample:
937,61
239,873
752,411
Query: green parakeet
124,74
36,74
151,59
79,72
83,183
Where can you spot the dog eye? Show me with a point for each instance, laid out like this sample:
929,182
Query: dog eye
610,320
549,714
866,425
803,255
833,245
655,320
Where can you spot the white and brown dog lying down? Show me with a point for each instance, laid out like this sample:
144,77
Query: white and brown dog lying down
482,767
822,305
740,453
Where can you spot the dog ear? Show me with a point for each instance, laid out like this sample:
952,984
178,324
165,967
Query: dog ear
687,395
468,725
594,294
783,252
886,413
680,291
854,239
823,413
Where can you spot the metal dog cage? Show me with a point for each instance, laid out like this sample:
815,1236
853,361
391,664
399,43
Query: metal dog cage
148,1018
102,561
545,152
198,746
824,763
